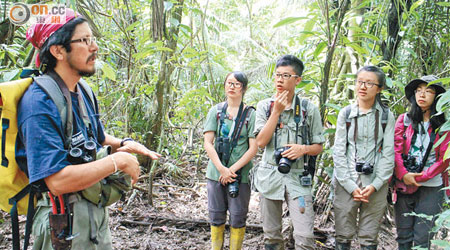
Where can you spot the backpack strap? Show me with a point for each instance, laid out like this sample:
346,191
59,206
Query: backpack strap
384,117
269,110
221,113
60,95
347,109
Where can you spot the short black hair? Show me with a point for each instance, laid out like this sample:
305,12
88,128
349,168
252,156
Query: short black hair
293,61
381,77
61,37
377,71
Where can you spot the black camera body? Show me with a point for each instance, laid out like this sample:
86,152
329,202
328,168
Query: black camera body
223,148
411,165
364,168
284,163
87,152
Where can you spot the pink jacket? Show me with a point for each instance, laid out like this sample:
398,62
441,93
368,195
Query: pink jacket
402,145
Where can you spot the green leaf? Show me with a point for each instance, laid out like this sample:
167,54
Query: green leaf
333,106
357,48
416,4
447,154
443,4
319,48
108,71
10,75
441,243
367,35
443,101
332,119
439,141
329,131
445,127
288,20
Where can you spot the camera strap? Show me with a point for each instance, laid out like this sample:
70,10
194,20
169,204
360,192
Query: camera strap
430,144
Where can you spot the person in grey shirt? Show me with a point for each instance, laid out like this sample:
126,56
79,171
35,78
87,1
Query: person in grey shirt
363,155
275,128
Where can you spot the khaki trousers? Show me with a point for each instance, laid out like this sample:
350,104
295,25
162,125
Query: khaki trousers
346,212
271,213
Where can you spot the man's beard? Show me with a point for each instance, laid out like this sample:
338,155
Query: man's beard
86,73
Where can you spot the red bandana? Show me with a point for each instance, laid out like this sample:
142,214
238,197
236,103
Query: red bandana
37,34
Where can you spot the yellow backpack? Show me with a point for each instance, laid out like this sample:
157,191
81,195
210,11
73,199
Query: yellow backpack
12,179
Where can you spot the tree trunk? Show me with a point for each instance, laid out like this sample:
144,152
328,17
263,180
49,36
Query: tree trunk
329,58
393,39
163,86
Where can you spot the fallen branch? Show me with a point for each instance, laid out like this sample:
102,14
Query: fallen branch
182,223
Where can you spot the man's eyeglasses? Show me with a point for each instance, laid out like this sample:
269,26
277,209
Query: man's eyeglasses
88,40
285,76
424,92
235,84
367,84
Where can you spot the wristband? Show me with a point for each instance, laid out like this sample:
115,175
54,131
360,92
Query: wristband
114,162
125,140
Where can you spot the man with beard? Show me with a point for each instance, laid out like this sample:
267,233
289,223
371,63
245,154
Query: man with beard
67,52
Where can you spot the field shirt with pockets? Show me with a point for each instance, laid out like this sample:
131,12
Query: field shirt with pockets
344,149
268,180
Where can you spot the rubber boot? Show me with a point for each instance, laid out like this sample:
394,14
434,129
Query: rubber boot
217,237
405,246
371,247
342,246
236,238
274,246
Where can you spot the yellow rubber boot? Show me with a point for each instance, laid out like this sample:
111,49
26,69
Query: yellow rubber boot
217,237
236,238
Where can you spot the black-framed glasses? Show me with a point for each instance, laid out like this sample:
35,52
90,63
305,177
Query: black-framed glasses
285,76
88,40
235,84
367,84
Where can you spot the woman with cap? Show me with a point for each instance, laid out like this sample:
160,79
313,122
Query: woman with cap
420,171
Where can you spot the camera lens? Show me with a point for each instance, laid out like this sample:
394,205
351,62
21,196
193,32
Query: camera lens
233,189
284,166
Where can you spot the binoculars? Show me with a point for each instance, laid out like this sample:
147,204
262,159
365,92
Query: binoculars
84,154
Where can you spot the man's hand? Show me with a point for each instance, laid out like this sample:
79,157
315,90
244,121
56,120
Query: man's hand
137,148
281,102
295,151
357,196
410,179
128,164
